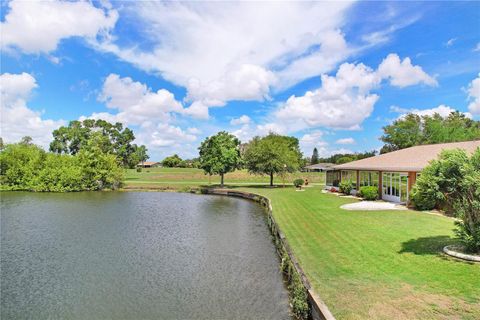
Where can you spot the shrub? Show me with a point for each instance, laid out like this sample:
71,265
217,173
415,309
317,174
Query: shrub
369,192
298,183
139,169
346,187
453,182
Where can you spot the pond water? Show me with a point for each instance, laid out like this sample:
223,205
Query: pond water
129,255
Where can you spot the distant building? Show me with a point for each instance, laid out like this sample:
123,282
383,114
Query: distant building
148,164
393,173
319,167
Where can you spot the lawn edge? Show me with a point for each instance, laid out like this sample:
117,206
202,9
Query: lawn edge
318,308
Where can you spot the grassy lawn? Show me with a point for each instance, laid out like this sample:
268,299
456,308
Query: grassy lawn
194,177
364,264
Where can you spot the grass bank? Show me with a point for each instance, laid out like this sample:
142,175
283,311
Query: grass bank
364,264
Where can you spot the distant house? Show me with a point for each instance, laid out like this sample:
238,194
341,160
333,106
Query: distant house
148,164
394,173
319,167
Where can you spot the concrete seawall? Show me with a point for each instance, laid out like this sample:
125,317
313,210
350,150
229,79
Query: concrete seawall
318,309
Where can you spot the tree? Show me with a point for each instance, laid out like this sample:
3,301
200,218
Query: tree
413,130
314,159
26,140
172,161
141,154
115,140
453,183
273,154
220,154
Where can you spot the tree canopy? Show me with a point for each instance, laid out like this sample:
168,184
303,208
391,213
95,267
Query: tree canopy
115,140
340,158
413,130
453,183
273,154
220,154
25,166
172,161
314,159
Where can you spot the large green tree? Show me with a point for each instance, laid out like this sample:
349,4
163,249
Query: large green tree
273,154
25,166
220,154
116,140
172,161
413,130
453,183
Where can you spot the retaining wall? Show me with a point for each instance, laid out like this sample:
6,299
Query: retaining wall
318,310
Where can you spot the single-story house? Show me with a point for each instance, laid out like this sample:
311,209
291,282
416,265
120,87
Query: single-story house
319,167
148,164
394,173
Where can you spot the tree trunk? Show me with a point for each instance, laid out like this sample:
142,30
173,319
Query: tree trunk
221,180
271,179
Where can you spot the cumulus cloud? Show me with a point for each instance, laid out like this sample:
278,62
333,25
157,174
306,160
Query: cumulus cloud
135,102
442,110
345,141
234,51
17,119
403,73
345,100
244,119
38,26
153,112
474,96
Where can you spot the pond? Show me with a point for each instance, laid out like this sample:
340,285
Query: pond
132,255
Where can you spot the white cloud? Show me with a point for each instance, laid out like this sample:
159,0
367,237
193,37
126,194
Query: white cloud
17,120
403,73
244,119
450,42
153,112
135,102
345,141
236,50
442,110
477,47
474,96
343,101
38,26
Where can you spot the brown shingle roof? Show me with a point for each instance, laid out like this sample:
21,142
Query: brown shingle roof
409,159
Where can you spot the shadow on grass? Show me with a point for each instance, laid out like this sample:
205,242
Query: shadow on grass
246,186
427,245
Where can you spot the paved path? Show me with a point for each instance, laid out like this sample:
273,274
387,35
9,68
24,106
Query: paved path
373,205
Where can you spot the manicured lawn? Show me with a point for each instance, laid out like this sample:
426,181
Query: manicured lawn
364,264
194,177
376,264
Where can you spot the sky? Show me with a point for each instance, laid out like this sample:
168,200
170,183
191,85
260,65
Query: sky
331,74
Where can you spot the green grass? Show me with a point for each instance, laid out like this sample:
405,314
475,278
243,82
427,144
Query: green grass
364,264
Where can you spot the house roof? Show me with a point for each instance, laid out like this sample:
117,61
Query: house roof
320,166
148,163
409,159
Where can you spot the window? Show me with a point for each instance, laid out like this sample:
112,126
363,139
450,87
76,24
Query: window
333,178
369,178
350,175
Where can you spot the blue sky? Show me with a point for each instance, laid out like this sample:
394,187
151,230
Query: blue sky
330,73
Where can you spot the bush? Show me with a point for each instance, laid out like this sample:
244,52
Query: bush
298,183
369,192
453,183
346,187
139,169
